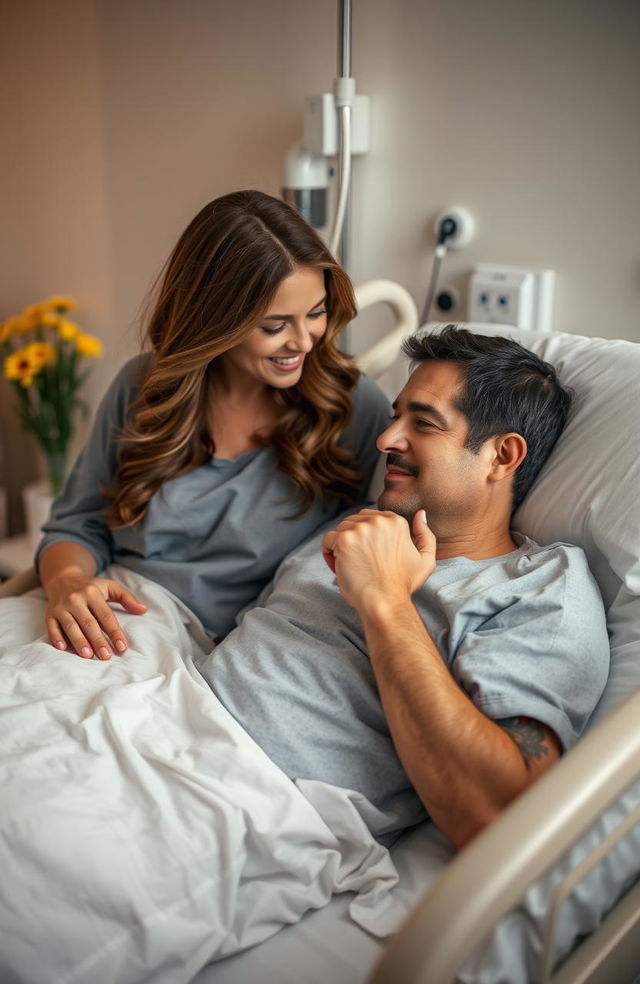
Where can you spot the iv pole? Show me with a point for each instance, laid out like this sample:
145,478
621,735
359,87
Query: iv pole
344,90
330,131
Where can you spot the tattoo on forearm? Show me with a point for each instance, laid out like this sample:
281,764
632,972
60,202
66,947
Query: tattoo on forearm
529,736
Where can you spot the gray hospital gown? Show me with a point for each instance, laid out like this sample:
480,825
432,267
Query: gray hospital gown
522,634
215,536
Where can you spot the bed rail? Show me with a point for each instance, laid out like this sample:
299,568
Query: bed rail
384,353
489,877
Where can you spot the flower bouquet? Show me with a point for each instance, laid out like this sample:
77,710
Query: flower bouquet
43,351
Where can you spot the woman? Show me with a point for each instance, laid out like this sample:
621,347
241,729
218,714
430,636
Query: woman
231,441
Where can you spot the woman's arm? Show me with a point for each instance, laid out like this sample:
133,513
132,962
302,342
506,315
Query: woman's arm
77,543
77,513
78,610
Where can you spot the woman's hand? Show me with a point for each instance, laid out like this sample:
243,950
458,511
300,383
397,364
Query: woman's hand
78,614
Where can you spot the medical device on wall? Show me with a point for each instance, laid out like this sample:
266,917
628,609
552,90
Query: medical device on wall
454,228
507,295
336,125
306,184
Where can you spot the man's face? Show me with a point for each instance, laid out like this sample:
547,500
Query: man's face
428,465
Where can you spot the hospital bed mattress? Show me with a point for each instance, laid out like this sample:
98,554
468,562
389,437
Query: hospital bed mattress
326,946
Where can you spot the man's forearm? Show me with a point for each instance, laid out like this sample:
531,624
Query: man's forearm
464,767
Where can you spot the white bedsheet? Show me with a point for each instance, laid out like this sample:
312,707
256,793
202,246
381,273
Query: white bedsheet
142,832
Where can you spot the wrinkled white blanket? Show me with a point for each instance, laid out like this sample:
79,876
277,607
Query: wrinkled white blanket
142,832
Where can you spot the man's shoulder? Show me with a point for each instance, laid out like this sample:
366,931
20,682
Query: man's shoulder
532,576
555,569
571,557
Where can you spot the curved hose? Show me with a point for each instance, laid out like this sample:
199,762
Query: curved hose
344,177
441,252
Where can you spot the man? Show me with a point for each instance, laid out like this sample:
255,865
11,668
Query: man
451,660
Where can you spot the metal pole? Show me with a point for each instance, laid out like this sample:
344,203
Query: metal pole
344,38
344,70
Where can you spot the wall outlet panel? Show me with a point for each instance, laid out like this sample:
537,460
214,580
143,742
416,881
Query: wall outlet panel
512,296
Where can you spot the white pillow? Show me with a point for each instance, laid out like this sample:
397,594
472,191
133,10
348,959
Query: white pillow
588,492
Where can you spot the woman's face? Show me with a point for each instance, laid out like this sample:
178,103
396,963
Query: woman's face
274,353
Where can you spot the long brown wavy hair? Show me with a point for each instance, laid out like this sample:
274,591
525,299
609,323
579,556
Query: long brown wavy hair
216,286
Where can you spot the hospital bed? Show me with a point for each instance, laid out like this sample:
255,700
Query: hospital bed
551,891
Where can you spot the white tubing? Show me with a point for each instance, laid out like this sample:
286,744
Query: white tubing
384,353
344,176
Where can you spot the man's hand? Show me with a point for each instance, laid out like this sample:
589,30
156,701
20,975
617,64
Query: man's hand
78,612
376,556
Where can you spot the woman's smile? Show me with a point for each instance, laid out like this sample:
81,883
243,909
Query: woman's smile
273,353
287,363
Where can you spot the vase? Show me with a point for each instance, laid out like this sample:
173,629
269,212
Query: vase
56,464
36,501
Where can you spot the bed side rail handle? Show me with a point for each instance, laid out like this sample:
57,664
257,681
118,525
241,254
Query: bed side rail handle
384,353
490,876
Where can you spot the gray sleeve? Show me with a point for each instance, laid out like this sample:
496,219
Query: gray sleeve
371,415
77,513
544,656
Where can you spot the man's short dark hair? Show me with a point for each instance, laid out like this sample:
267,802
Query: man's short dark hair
506,388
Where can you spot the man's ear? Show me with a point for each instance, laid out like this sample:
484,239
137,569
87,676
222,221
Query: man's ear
510,450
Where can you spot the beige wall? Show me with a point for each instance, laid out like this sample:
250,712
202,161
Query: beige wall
199,97
52,189
120,118
525,113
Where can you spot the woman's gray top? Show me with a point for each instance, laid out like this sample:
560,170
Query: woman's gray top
214,536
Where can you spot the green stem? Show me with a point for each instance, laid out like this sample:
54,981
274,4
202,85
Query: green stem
56,468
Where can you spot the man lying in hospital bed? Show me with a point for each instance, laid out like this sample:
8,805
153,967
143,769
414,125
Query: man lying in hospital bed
170,840
477,684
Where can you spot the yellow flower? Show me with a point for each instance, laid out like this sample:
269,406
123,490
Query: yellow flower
17,325
43,363
59,304
41,353
88,345
51,320
33,312
21,366
68,330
